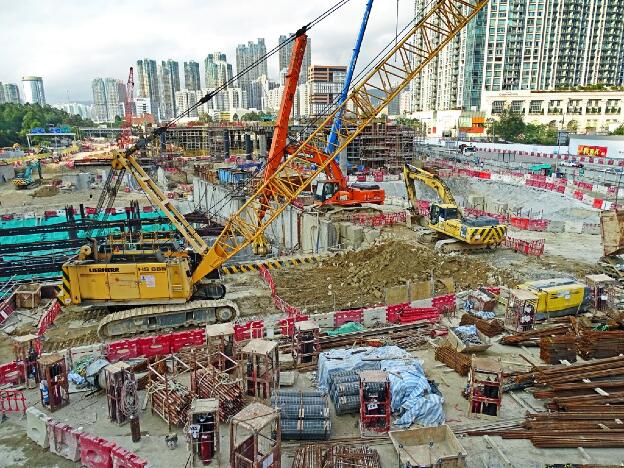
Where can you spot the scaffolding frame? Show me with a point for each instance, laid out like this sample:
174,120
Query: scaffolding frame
26,349
260,364
306,345
485,392
262,447
53,370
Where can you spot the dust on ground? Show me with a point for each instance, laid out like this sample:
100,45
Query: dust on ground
360,278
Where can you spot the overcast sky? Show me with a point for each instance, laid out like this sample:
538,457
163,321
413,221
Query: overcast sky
70,42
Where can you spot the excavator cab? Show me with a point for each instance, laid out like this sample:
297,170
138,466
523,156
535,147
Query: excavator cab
440,213
325,189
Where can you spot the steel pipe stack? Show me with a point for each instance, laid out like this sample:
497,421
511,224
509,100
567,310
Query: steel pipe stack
303,415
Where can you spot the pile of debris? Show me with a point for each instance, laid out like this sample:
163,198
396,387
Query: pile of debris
361,277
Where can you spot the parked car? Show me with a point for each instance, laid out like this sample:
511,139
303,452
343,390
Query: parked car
572,163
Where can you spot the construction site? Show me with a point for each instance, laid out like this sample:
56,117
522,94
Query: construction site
323,295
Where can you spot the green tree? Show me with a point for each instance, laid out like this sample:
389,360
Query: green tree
251,117
203,117
510,126
619,130
16,120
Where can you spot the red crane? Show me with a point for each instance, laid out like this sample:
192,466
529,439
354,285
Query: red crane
126,125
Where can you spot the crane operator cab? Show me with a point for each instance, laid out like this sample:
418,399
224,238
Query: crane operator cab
440,213
325,189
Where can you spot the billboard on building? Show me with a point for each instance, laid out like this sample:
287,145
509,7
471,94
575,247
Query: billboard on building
591,150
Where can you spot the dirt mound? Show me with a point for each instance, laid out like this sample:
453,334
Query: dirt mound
46,191
360,278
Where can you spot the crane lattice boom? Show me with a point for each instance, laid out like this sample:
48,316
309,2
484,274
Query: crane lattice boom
413,52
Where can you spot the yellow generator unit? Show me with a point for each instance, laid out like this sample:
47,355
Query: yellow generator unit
558,297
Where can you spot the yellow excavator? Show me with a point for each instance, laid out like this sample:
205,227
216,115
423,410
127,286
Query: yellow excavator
176,285
457,232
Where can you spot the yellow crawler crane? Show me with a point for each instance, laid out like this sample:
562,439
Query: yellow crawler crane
445,219
165,276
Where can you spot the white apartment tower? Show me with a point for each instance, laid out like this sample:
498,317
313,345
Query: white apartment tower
525,45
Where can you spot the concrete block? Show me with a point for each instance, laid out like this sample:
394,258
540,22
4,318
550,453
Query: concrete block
37,427
73,355
355,234
397,295
288,379
556,226
574,227
374,316
324,320
370,235
286,361
64,440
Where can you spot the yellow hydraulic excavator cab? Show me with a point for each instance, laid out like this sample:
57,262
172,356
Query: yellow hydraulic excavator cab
446,218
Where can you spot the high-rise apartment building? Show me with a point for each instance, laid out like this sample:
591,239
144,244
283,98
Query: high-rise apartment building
325,83
192,81
146,85
109,95
100,109
184,101
2,98
246,56
217,70
285,54
115,98
169,84
33,90
525,45
11,93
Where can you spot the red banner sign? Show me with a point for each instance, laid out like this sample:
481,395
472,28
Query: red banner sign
585,150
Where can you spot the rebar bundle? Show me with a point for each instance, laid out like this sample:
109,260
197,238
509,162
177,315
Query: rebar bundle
450,357
554,349
489,328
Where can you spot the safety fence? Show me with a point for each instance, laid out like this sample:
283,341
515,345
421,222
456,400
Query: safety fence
534,248
12,401
379,220
77,445
48,316
573,189
563,157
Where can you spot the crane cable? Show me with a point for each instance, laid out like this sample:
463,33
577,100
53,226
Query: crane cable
109,193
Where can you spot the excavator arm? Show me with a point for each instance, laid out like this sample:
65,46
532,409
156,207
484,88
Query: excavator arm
413,51
412,173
